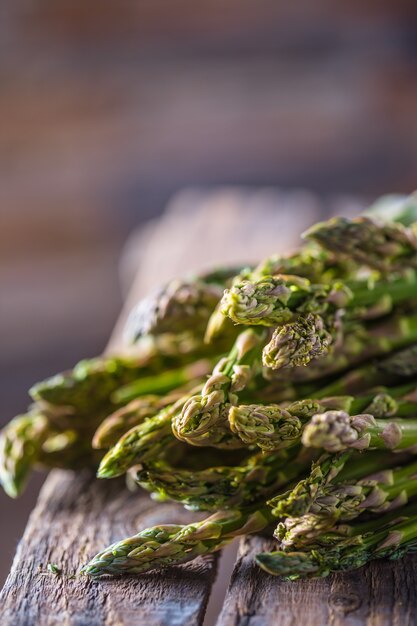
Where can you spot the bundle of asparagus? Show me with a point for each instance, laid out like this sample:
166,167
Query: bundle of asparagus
283,394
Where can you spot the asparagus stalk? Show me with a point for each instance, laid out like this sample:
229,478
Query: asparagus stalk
277,426
362,341
163,546
276,300
402,364
134,413
386,246
146,441
383,538
20,447
344,501
164,382
179,306
221,487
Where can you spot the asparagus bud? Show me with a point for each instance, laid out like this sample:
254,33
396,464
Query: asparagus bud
268,426
179,306
20,447
203,419
337,430
275,300
297,343
386,246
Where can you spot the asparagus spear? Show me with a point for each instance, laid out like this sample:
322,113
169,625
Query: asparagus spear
20,447
310,261
167,545
337,430
402,363
97,386
395,208
361,342
141,443
392,368
275,426
344,501
35,439
203,419
276,300
383,538
271,427
315,263
89,386
128,416
387,246
179,306
221,487
384,369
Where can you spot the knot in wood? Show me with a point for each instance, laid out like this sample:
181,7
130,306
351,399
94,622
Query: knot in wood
344,602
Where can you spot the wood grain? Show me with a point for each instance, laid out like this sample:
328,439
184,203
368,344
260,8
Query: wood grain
75,516
380,594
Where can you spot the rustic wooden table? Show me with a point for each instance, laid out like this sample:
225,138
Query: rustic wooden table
76,514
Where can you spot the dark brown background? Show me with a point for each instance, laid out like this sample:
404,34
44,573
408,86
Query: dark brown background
108,108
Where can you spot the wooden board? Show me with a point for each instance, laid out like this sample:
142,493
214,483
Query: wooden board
381,594
77,515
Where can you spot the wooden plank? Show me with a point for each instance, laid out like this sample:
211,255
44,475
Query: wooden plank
77,515
380,594
74,515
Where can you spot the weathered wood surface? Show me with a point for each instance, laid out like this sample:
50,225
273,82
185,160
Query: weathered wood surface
76,514
380,594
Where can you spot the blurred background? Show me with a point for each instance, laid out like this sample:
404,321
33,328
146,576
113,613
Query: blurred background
109,108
